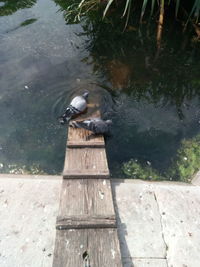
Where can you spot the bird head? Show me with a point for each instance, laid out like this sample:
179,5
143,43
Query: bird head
85,94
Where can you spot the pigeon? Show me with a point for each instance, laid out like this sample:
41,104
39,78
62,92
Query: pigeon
95,125
77,106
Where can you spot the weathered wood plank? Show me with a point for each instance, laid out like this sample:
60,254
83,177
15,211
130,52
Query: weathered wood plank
89,197
101,245
69,247
83,138
103,248
85,222
86,162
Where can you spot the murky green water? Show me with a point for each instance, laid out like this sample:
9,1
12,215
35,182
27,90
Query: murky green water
44,62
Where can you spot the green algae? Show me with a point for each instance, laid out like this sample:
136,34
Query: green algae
136,170
183,166
187,161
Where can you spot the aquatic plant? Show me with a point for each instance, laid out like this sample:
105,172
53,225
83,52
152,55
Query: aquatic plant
184,165
135,170
80,8
21,169
187,160
76,10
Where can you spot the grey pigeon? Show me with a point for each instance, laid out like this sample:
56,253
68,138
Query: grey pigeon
95,125
77,106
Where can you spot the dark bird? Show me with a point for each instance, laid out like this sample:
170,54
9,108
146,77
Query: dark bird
76,107
95,125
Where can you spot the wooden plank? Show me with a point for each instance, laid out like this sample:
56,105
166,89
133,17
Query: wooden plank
85,222
86,233
101,246
89,197
83,138
69,248
86,162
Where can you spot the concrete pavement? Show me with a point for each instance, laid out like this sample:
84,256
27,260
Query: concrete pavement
28,210
159,223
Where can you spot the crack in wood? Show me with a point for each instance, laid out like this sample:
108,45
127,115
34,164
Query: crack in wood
85,222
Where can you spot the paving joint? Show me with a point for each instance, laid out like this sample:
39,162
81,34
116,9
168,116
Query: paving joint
148,258
162,230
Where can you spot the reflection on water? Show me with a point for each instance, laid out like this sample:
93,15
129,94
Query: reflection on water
8,7
154,104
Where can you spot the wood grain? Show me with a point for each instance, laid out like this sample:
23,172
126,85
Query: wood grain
89,197
102,246
85,222
86,162
83,138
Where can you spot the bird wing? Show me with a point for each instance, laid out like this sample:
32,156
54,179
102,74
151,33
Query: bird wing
96,126
79,103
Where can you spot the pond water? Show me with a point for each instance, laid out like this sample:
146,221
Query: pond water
44,62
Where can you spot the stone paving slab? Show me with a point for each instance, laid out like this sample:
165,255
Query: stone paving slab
196,179
28,210
177,209
180,212
139,221
149,263
144,262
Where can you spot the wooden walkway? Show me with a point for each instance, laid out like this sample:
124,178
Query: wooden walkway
86,234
